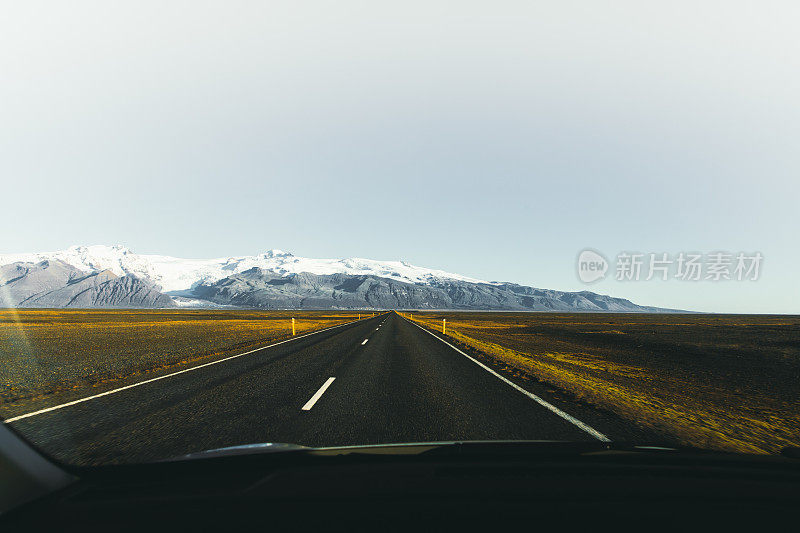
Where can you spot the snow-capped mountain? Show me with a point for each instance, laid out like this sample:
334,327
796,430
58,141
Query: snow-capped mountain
113,276
177,276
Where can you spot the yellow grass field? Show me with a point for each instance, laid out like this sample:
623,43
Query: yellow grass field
721,382
52,352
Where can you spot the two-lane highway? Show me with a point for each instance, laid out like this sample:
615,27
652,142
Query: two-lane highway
379,380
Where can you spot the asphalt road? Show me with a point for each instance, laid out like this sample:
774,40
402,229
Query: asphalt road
378,380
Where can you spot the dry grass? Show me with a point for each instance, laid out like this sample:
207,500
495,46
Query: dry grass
45,352
721,382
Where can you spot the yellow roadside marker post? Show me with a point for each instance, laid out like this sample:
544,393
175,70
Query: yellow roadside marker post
293,330
444,325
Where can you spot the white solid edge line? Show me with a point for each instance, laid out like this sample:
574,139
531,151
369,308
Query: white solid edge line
317,395
81,400
365,342
569,418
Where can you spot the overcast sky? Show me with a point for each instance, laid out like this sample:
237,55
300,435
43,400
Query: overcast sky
493,139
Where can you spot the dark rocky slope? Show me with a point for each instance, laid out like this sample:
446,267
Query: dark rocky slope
57,284
264,289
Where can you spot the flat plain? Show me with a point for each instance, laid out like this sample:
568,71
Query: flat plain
726,382
60,353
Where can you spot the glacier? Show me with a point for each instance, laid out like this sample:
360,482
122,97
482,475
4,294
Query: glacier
177,276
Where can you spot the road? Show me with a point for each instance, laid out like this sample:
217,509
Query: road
378,380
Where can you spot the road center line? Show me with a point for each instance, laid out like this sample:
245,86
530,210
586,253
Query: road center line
569,418
120,389
317,395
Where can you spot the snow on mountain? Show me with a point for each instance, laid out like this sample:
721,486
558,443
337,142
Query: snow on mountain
176,275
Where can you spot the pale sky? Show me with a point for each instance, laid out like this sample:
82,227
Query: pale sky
493,139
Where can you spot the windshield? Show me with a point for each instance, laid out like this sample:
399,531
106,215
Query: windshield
340,224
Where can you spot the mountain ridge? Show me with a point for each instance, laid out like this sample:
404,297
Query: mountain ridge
54,283
114,276
174,274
